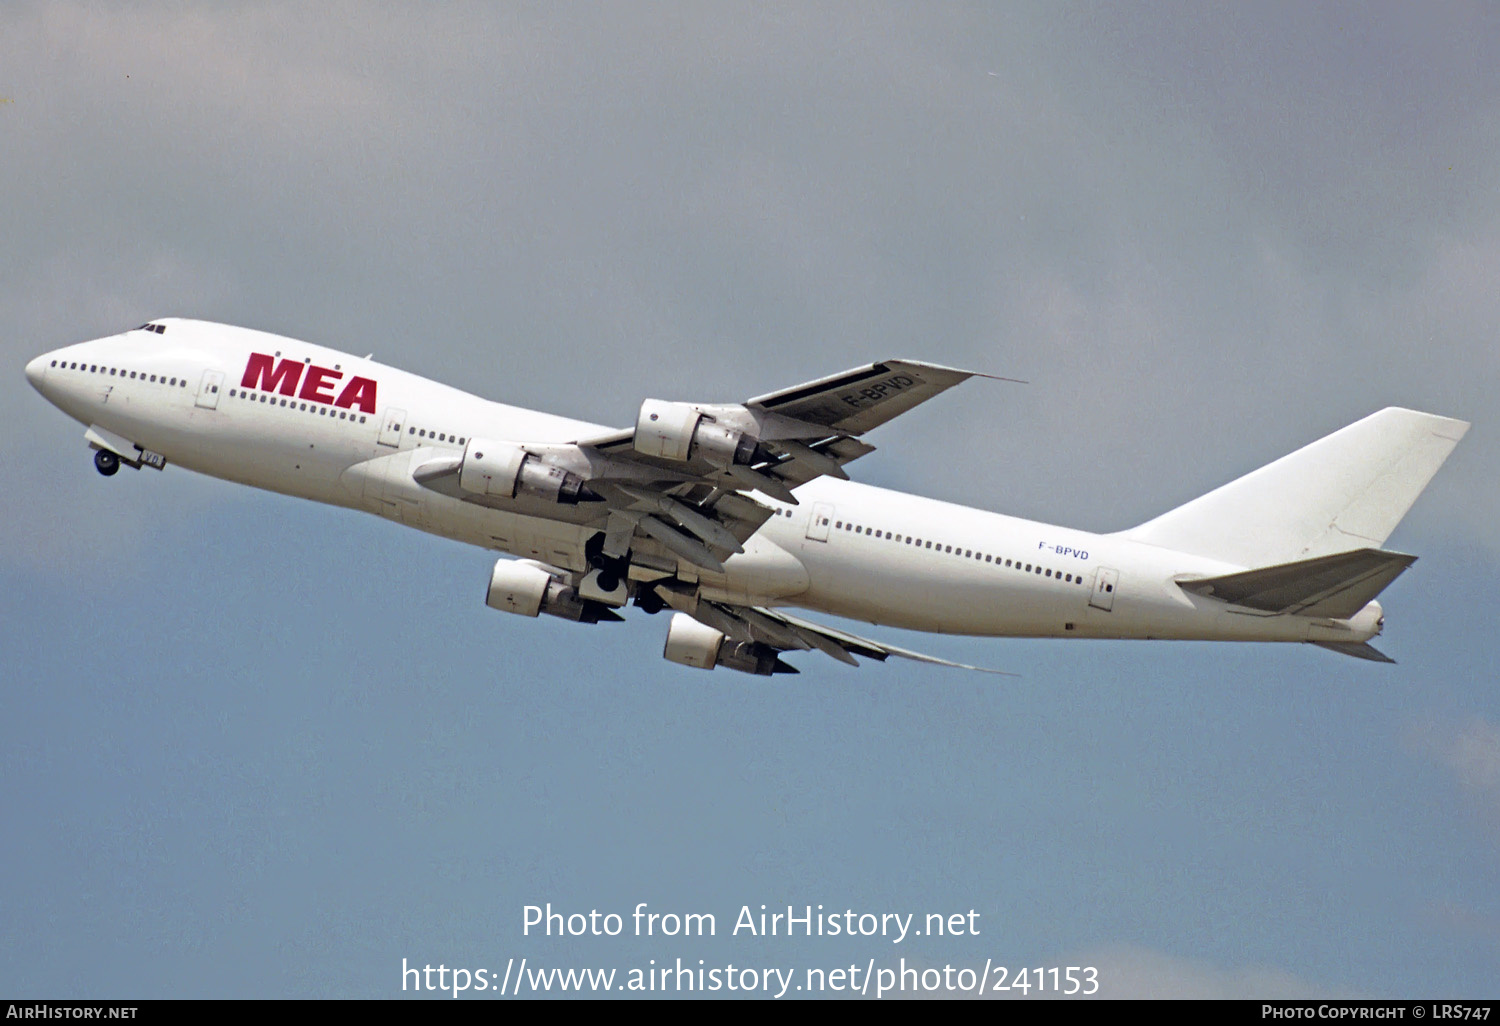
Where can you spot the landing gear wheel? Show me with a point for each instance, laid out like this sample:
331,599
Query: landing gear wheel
649,599
106,462
612,570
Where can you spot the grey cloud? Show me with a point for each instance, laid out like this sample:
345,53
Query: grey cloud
1468,749
1474,757
1204,243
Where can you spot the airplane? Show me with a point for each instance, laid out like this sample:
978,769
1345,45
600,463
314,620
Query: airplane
732,515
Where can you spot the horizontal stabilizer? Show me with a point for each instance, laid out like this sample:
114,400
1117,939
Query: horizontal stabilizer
1357,649
1336,586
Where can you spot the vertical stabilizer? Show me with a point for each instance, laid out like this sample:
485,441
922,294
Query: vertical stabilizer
1346,491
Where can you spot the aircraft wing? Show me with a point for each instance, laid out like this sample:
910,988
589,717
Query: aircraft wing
758,636
680,483
866,397
683,475
798,433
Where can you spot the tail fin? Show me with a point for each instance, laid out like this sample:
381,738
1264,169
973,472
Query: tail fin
1346,491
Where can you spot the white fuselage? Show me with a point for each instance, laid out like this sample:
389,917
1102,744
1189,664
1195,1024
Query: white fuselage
192,394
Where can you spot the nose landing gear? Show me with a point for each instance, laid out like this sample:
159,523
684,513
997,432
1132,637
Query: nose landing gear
106,462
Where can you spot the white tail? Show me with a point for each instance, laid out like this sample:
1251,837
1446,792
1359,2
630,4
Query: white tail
1346,491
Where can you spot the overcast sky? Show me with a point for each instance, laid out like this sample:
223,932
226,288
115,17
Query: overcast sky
253,746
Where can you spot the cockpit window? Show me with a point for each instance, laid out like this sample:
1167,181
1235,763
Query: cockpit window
160,329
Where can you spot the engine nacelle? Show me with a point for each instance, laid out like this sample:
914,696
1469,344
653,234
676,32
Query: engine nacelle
680,432
528,589
700,646
507,470
692,643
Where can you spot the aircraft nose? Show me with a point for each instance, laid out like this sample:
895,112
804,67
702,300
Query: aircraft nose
35,370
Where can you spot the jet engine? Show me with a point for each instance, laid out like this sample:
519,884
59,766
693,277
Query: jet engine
507,470
528,589
698,645
680,432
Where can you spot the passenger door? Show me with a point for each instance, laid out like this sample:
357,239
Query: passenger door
1103,596
390,431
818,523
208,390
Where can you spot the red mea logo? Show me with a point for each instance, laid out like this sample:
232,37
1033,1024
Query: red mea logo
264,373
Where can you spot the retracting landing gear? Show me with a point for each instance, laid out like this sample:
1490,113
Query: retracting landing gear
649,599
612,571
106,462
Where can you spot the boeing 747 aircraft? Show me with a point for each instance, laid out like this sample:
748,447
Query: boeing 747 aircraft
729,514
